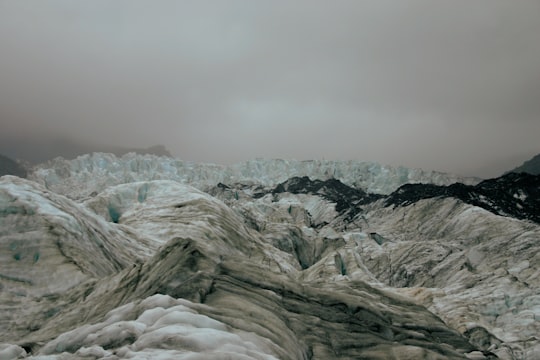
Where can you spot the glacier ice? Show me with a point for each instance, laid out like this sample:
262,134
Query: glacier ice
137,261
46,238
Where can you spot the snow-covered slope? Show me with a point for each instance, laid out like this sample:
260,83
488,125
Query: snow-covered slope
86,174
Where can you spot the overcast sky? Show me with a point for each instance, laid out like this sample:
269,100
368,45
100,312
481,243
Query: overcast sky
444,85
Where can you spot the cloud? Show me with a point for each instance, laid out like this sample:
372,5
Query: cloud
443,85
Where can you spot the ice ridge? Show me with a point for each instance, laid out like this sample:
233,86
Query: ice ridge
80,177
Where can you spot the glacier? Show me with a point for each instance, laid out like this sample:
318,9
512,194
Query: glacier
143,257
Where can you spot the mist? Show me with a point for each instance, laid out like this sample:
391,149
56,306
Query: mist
449,86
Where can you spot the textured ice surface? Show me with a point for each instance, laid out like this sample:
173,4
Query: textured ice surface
217,288
156,269
48,245
465,264
46,239
477,270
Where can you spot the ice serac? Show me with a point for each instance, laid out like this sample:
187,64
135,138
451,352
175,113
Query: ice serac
87,174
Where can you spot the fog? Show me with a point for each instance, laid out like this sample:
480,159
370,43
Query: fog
451,86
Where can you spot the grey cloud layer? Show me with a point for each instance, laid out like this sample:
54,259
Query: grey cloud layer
446,85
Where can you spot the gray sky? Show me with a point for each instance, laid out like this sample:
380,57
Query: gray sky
444,85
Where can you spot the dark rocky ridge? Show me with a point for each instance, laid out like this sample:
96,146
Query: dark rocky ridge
347,199
514,194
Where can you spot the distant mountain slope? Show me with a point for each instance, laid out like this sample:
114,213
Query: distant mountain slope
531,166
11,167
39,151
